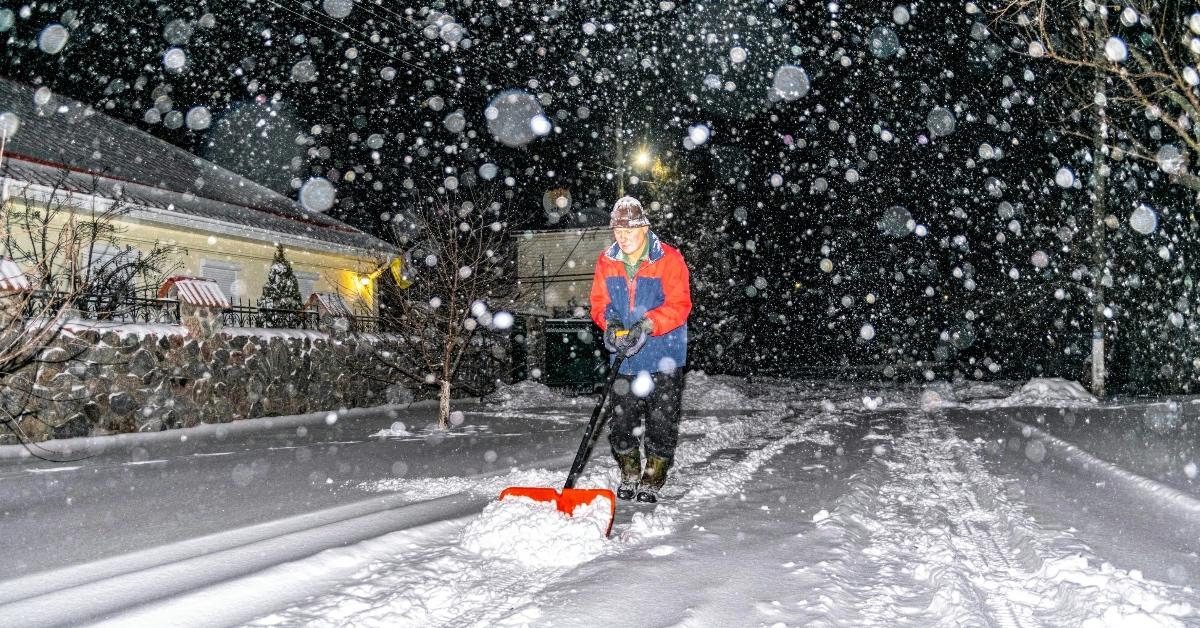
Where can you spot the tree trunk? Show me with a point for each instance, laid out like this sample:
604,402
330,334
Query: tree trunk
444,405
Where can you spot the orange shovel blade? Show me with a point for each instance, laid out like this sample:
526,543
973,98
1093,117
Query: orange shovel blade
567,499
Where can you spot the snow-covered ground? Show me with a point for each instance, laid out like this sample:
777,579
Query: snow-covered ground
791,504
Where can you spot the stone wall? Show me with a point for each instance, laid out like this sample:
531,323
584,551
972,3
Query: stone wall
98,380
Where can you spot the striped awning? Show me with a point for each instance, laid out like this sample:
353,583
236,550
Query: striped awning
12,278
194,291
330,302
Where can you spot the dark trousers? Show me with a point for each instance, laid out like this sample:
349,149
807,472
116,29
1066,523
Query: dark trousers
661,411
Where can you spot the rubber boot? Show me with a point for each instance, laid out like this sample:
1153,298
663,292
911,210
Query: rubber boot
653,479
630,464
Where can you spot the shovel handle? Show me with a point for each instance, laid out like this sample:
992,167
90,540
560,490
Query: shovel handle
585,445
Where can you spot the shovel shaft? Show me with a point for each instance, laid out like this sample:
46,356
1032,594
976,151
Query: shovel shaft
593,427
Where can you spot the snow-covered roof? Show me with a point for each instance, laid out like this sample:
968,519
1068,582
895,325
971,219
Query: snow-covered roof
12,278
330,302
194,291
111,159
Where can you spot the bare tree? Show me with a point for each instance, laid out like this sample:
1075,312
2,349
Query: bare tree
1123,79
457,259
64,248
1131,67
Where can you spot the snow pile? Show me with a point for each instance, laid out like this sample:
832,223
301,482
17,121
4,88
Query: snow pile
1110,596
421,489
528,393
1050,391
706,392
938,395
397,429
646,525
536,534
967,390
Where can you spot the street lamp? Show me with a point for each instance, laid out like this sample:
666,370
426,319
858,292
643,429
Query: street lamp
642,159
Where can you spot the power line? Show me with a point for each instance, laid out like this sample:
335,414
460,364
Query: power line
362,34
408,20
361,43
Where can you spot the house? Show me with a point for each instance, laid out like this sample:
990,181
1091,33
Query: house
224,226
554,278
555,267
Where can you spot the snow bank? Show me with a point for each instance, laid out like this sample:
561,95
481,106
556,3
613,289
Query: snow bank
421,489
528,393
707,392
966,393
537,535
938,395
968,390
1136,485
205,432
397,429
1115,597
1051,391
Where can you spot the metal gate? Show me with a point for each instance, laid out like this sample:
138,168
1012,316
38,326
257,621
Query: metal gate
574,355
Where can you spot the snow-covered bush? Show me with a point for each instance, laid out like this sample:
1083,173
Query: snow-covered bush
282,291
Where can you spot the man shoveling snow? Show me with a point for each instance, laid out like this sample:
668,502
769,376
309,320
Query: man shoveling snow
641,287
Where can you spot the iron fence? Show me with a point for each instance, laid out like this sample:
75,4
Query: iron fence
124,308
246,315
131,308
128,308
238,315
288,319
365,324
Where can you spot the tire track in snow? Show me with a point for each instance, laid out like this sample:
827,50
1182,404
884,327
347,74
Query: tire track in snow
926,537
111,585
95,589
701,478
444,585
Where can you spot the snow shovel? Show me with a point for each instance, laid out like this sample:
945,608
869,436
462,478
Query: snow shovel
569,497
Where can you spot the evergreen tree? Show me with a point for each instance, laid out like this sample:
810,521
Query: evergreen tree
281,291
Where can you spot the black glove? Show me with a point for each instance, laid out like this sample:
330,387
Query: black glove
633,342
611,341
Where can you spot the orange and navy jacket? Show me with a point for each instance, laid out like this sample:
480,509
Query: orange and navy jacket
659,291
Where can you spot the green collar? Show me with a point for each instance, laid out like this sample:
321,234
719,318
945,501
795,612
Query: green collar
633,261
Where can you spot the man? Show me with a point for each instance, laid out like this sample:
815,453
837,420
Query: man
641,298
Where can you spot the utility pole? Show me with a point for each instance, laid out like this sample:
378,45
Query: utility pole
1099,194
620,155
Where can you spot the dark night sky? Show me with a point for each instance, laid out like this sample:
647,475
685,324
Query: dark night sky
368,101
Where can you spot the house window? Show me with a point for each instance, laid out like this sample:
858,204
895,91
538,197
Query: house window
228,275
307,282
111,270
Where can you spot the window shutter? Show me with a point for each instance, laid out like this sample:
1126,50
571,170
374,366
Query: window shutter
223,273
307,282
